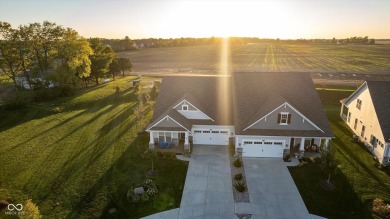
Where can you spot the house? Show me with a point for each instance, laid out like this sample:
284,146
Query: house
367,113
264,114
22,81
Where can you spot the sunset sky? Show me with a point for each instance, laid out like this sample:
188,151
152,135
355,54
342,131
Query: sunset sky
205,18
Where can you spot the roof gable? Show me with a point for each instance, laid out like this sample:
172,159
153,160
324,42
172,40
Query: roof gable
269,121
257,94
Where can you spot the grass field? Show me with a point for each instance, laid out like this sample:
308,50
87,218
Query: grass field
76,157
357,182
343,60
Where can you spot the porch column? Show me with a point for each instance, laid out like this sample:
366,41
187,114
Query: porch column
302,145
151,141
326,143
341,110
186,144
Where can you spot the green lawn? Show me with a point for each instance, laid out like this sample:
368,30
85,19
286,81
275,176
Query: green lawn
76,157
357,181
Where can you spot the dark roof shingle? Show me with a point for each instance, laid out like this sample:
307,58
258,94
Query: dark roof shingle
380,95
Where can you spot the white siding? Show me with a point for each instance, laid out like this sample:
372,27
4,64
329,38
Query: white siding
366,116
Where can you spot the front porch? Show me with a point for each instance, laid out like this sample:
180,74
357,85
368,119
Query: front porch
178,148
177,141
306,147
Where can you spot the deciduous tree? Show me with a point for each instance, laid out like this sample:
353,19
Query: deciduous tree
100,59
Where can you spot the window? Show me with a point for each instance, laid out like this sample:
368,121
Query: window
355,125
184,107
206,131
258,142
278,143
224,132
284,118
349,117
358,104
248,142
363,130
267,142
215,132
373,140
197,131
161,136
168,136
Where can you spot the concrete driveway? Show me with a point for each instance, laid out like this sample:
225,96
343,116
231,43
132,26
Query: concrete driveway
272,191
208,191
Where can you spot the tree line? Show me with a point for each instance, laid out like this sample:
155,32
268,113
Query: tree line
46,52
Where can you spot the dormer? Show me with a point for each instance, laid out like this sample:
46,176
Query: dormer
189,111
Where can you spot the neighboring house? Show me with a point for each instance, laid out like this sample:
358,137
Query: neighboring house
265,114
367,113
22,81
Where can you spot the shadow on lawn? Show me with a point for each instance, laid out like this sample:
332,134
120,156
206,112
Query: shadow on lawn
114,99
49,108
111,188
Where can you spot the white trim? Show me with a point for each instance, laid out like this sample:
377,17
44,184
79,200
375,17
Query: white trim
162,120
286,103
346,102
286,114
184,101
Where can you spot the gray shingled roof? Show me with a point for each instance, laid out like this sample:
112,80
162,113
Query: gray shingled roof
203,92
257,94
253,96
380,95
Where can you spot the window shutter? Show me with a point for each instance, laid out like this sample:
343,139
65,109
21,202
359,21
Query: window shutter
288,118
279,117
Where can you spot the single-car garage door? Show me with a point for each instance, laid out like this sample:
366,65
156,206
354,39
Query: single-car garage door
262,148
211,136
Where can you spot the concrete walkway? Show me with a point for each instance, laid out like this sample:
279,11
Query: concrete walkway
208,191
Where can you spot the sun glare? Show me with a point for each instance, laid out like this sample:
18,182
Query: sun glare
231,18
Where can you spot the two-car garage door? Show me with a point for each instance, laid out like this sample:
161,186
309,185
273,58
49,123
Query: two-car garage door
262,148
211,136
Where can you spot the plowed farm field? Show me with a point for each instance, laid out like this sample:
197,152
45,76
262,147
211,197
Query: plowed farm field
320,59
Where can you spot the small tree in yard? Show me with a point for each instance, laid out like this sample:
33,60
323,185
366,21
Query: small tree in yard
31,211
328,161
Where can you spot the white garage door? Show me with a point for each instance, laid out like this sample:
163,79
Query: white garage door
211,136
262,148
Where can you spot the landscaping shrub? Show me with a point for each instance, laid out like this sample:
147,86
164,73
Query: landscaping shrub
186,153
136,198
238,176
237,163
150,191
17,100
240,186
169,154
48,94
30,210
144,197
302,163
381,208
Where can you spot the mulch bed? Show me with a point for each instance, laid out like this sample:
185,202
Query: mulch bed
239,196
